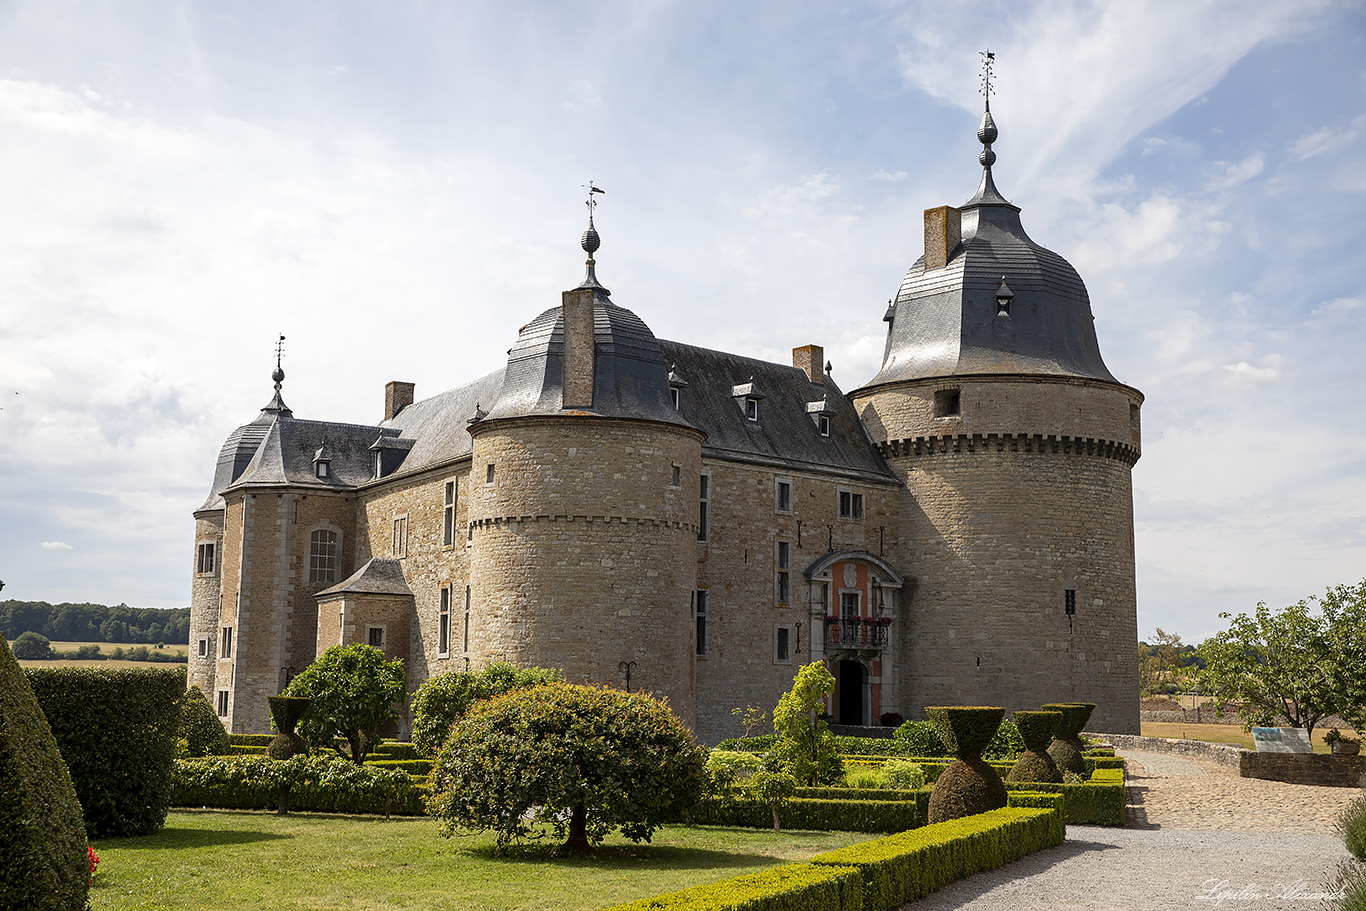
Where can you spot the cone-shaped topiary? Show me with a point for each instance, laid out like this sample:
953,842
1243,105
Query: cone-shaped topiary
286,711
199,726
1036,729
43,860
1067,747
969,785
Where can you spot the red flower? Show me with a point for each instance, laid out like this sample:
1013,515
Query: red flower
94,862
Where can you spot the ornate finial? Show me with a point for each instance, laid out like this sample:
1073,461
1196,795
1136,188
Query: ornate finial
827,366
278,374
591,241
988,61
987,132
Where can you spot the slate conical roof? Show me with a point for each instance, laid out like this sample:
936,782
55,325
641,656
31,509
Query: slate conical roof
946,321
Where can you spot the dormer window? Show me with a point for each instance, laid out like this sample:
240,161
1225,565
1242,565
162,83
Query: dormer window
676,384
675,396
821,412
322,463
748,396
751,409
823,423
1003,298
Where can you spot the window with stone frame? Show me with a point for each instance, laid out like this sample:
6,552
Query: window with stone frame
448,515
374,637
443,630
222,703
225,642
784,561
699,599
206,558
703,519
322,557
850,504
783,638
782,495
203,647
400,539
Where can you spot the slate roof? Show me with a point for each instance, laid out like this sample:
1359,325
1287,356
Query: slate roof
944,321
379,576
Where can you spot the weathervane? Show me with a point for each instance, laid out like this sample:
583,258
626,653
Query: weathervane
592,203
988,61
279,375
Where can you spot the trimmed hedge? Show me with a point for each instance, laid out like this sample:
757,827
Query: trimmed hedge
242,749
418,768
322,783
867,746
43,864
251,740
117,732
393,749
857,793
792,887
820,815
1098,802
199,726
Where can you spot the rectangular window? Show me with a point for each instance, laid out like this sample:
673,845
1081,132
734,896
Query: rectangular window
677,477
849,603
782,647
401,536
222,703
225,642
782,495
823,423
206,559
488,474
203,648
784,577
947,403
448,516
675,396
752,409
375,636
851,505
467,621
702,517
322,557
443,631
700,612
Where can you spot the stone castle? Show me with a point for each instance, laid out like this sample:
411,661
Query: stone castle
667,518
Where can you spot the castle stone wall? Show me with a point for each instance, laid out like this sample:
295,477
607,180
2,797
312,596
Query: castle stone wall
205,593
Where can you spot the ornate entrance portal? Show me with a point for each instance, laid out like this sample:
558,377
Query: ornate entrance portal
851,684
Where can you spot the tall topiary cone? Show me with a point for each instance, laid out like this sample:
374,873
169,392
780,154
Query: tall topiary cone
43,860
286,711
1067,747
969,785
1036,730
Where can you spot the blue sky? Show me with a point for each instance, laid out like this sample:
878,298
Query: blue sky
397,188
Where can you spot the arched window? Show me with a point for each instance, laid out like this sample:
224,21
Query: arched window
322,556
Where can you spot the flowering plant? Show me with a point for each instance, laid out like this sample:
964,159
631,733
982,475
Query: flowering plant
94,861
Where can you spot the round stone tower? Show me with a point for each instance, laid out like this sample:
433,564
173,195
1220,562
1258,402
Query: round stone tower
1016,446
584,506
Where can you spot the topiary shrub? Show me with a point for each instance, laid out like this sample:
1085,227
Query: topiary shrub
117,732
918,738
1037,730
43,859
969,785
285,713
1067,747
444,699
902,775
199,726
582,760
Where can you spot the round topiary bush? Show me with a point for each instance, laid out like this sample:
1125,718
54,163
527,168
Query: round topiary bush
917,738
1037,730
1067,747
199,726
969,785
285,712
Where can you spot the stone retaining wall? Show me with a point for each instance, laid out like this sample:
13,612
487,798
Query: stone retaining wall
1322,769
1189,716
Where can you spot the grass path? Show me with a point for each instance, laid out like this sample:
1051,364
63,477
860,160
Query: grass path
220,859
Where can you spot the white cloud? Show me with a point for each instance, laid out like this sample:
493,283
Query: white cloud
890,176
1231,175
54,545
1270,368
1328,139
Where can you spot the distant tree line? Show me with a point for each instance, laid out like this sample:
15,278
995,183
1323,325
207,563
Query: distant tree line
95,622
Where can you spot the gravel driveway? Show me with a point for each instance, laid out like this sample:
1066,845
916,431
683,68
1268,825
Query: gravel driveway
1199,836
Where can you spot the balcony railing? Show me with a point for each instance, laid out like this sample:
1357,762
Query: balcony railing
857,632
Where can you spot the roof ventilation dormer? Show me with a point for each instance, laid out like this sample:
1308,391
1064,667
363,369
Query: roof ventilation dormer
322,463
748,396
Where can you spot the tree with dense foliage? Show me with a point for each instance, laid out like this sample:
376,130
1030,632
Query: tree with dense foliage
805,744
354,691
1302,663
581,760
95,622
444,699
43,860
31,646
199,726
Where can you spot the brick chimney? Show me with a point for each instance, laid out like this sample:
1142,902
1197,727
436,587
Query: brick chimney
809,359
577,391
943,231
397,396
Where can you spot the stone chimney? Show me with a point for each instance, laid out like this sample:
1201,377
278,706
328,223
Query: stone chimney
578,348
808,359
397,396
943,231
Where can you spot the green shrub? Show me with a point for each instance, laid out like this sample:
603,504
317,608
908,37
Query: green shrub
862,777
355,691
805,744
1098,802
418,768
902,774
444,699
824,793
919,738
117,732
251,740
968,786
322,783
792,887
910,865
584,760
31,646
867,746
1006,744
817,814
199,726
1351,825
1067,748
43,864
249,750
728,769
1351,882
393,749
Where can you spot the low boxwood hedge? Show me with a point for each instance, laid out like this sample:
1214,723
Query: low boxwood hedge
319,783
248,749
418,768
251,740
1098,802
856,793
396,749
820,815
792,887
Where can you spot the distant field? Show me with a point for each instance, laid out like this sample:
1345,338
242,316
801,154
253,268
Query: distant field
178,648
106,648
1217,733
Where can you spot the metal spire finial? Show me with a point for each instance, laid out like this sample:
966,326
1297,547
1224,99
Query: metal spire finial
278,375
988,61
987,132
591,241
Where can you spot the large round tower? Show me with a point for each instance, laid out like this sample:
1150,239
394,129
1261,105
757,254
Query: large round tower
583,504
1016,446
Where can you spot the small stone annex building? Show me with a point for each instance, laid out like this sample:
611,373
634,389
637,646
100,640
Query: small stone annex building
697,524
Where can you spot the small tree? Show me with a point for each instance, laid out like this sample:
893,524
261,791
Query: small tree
1299,664
354,691
582,760
444,699
31,646
805,744
772,789
199,726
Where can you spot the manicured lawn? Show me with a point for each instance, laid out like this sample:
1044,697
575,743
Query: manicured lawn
220,859
1220,733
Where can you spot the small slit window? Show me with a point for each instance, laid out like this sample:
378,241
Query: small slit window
947,403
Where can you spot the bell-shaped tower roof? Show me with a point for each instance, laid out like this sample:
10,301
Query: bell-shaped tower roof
989,300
